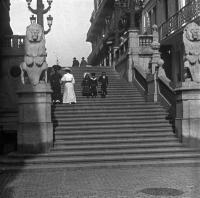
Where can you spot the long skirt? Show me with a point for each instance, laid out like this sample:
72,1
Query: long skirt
86,90
69,94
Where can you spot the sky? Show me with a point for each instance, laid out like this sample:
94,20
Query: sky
67,38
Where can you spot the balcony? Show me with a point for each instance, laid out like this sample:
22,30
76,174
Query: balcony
188,13
12,45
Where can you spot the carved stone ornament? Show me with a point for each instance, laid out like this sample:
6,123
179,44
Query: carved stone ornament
161,71
155,44
35,54
191,40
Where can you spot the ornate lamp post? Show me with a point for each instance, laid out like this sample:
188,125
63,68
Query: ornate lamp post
33,19
40,11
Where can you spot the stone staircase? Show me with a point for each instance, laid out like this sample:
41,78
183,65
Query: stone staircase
119,130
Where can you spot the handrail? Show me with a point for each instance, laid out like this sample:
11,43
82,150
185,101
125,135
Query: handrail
189,12
167,83
166,91
140,77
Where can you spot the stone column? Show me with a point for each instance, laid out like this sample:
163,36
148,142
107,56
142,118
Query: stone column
133,52
155,47
187,121
35,133
115,57
40,9
104,61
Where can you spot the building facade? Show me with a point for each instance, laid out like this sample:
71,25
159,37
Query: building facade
111,21
143,40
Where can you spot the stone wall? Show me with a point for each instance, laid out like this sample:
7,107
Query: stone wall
9,81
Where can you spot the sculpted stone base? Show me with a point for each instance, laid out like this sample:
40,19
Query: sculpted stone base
189,131
35,134
35,138
188,115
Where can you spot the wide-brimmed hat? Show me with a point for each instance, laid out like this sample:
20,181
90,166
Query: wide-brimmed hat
85,74
66,69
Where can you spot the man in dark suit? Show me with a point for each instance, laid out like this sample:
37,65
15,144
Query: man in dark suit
103,79
75,62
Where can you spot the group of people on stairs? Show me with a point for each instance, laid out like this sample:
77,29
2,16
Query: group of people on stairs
89,86
76,63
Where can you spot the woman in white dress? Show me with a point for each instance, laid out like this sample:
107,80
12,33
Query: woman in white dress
69,81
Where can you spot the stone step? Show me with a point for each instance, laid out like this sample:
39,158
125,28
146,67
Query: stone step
61,146
107,152
103,115
60,119
98,111
114,141
194,162
93,127
108,106
117,123
102,159
118,131
87,136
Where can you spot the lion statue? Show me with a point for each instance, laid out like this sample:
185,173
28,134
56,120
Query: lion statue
34,64
191,40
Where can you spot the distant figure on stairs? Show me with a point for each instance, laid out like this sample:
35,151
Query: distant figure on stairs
75,62
69,81
93,85
103,79
83,62
86,85
55,85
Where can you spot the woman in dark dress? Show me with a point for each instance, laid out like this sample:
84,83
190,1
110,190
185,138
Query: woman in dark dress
55,85
93,85
86,85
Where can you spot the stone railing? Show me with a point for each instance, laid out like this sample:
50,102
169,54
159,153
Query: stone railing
187,14
145,40
13,41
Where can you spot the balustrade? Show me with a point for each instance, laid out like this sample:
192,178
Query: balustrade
13,41
188,13
145,40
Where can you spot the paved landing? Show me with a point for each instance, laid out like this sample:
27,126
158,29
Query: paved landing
144,182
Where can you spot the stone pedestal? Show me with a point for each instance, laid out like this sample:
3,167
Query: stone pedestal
188,114
35,134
